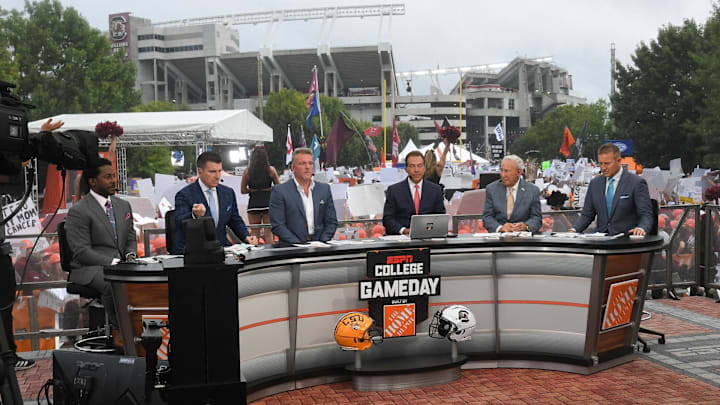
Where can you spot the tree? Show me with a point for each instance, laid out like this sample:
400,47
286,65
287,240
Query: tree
146,161
64,65
707,78
546,135
9,71
657,98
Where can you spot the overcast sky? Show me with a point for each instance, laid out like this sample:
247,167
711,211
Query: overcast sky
449,33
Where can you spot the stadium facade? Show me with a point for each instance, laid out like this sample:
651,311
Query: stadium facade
201,65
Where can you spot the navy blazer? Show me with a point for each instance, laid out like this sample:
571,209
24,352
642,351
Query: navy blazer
400,205
631,206
227,216
287,213
526,209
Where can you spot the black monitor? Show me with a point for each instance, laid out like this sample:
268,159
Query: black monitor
89,378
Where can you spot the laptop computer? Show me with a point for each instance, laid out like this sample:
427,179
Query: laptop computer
429,226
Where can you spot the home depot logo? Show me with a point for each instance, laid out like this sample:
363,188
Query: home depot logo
399,320
620,302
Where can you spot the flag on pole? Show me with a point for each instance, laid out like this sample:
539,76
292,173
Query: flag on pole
313,102
303,142
472,161
370,144
338,136
288,148
315,146
313,90
499,135
382,157
580,140
395,145
373,131
568,141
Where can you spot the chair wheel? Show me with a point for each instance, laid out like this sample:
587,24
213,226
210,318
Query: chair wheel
646,349
657,294
661,340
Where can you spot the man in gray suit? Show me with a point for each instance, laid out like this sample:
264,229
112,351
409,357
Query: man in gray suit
511,203
619,199
100,233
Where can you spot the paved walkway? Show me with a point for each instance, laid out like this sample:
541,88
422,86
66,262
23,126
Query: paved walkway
684,370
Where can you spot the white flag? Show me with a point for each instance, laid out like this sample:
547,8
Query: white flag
289,151
499,132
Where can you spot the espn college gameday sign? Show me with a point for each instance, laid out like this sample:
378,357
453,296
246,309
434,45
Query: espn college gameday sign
397,290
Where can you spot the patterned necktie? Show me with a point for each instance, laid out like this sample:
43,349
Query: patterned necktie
417,199
211,203
510,203
609,195
111,218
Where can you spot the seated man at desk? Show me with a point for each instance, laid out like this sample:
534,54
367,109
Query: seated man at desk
302,210
511,203
207,197
411,196
100,232
619,199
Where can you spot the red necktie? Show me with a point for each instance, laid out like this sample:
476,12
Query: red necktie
417,199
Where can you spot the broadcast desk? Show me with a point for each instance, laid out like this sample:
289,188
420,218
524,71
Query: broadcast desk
539,303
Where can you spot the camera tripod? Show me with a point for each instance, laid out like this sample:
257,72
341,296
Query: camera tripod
9,388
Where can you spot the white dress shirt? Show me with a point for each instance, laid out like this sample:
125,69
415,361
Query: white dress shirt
412,194
617,181
205,189
307,201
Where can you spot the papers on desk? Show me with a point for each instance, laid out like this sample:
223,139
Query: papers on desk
242,248
313,244
492,235
592,236
396,238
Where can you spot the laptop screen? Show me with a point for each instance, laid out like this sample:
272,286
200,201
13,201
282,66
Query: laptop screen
429,226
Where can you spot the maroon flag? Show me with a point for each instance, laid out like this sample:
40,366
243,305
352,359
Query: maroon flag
339,134
395,146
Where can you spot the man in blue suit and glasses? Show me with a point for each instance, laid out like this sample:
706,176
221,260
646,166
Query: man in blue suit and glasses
302,210
206,197
619,199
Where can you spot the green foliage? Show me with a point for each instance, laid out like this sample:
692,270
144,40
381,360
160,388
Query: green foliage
658,98
288,107
148,160
546,135
64,65
9,71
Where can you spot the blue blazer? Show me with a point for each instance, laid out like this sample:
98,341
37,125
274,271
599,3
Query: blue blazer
227,216
526,209
631,206
287,213
400,205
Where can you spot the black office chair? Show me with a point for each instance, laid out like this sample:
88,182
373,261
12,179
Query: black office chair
645,314
99,339
170,233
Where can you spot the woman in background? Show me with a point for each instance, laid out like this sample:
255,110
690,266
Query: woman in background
433,167
258,180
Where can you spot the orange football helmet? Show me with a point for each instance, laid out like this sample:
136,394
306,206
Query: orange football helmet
356,331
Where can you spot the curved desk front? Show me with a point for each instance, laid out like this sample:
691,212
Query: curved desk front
539,303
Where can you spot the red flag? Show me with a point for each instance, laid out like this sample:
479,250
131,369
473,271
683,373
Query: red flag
373,131
568,141
382,157
313,89
288,148
395,146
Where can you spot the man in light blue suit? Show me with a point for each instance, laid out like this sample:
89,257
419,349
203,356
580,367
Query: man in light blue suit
511,194
619,199
206,197
302,210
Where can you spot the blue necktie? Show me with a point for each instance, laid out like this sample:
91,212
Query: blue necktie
211,203
111,218
609,195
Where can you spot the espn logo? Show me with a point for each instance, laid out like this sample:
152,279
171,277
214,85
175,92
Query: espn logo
399,259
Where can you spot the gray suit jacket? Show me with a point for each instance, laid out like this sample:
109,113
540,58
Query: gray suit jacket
631,206
527,206
90,237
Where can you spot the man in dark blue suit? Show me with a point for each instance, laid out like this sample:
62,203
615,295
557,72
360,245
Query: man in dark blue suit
619,199
411,196
302,210
206,197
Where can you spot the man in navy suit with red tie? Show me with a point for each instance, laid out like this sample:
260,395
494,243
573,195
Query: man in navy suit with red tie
207,197
411,196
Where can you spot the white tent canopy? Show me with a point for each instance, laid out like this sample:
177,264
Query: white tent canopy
408,148
219,127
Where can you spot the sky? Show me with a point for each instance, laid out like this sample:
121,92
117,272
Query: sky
451,33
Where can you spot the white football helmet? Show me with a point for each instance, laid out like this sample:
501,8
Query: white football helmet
456,322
